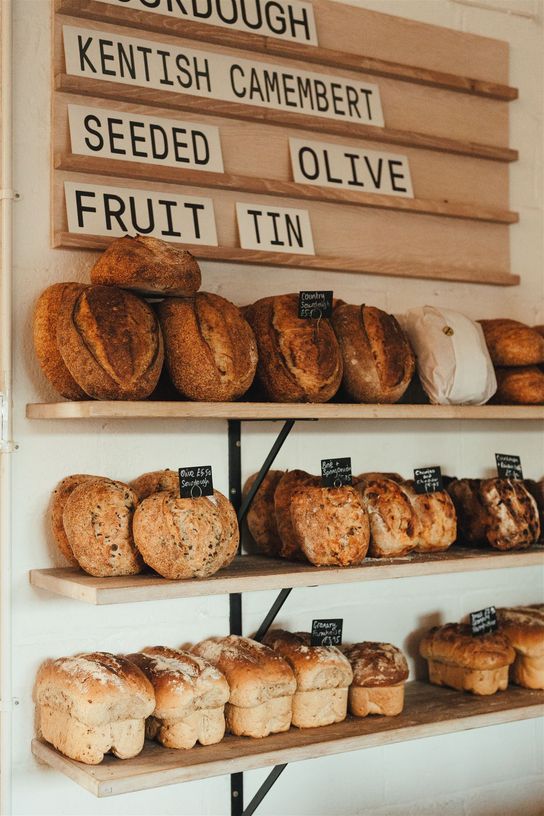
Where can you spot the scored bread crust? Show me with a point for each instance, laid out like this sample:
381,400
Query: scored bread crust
261,516
454,645
97,519
287,485
394,525
59,498
211,352
315,667
111,343
511,343
513,521
46,317
472,516
147,265
331,524
154,482
299,360
376,664
185,538
385,700
378,360
520,386
437,520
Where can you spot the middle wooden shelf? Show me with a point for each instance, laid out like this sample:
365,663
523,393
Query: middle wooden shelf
251,573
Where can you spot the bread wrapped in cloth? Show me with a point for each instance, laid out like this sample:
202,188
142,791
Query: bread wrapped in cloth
524,628
147,265
93,704
60,496
512,343
262,684
323,676
299,359
287,485
155,481
437,520
261,516
512,514
394,525
331,525
467,662
190,697
379,673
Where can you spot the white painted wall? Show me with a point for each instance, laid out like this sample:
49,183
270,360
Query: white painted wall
493,772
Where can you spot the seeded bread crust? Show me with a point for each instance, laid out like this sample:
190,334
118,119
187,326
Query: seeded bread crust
513,521
394,524
376,664
287,485
261,516
154,482
437,520
59,498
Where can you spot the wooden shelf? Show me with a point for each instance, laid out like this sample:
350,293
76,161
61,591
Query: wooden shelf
274,410
251,573
429,711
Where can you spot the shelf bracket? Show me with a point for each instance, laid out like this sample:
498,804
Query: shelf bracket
272,613
272,777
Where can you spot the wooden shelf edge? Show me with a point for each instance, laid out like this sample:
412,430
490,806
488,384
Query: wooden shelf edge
429,711
95,409
253,573
190,29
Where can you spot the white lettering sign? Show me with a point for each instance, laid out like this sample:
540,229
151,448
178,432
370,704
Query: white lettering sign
284,19
165,67
115,211
280,229
353,168
149,139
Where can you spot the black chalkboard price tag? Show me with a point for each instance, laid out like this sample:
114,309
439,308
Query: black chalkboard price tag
195,481
327,632
313,305
483,621
508,467
336,472
428,480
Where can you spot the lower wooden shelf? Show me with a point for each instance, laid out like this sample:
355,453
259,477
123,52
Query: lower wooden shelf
250,573
429,711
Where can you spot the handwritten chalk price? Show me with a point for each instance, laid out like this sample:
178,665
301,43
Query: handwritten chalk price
314,305
483,621
428,480
508,467
336,472
327,632
195,482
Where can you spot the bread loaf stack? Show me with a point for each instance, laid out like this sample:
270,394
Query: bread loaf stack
517,352
379,673
523,626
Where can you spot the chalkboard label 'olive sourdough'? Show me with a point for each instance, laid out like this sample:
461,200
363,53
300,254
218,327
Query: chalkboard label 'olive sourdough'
195,482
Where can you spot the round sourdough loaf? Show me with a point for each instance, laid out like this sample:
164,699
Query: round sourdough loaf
111,343
331,525
472,517
211,352
286,487
261,516
512,514
154,482
148,265
520,386
299,360
97,519
394,524
59,497
186,538
512,343
524,628
46,317
437,520
378,360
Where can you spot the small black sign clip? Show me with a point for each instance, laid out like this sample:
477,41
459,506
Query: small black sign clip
336,472
327,632
195,482
508,467
315,305
483,621
428,480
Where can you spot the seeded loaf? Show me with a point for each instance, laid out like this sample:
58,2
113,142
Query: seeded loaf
379,673
323,677
331,525
46,317
262,684
378,361
299,360
154,482
58,502
394,524
523,626
97,519
512,343
287,485
93,704
147,265
466,662
211,352
190,697
437,521
186,538
261,516
520,386
512,514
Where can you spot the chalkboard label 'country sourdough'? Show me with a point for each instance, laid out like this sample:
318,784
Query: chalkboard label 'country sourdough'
166,67
284,19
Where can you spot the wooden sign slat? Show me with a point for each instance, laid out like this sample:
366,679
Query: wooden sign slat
190,29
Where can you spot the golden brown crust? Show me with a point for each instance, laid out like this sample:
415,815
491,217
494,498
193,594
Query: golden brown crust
147,265
376,664
154,482
315,667
394,525
331,525
288,483
512,513
59,498
520,386
97,519
378,360
539,329
472,517
299,360
261,516
454,645
512,343
111,342
46,316
211,352
524,628
437,528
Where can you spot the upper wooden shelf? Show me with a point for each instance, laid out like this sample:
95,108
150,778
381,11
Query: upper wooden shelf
429,711
250,573
273,410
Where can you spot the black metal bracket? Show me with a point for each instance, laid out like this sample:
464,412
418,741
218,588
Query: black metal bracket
272,777
272,612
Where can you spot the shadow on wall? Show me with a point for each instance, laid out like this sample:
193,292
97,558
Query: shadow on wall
411,644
